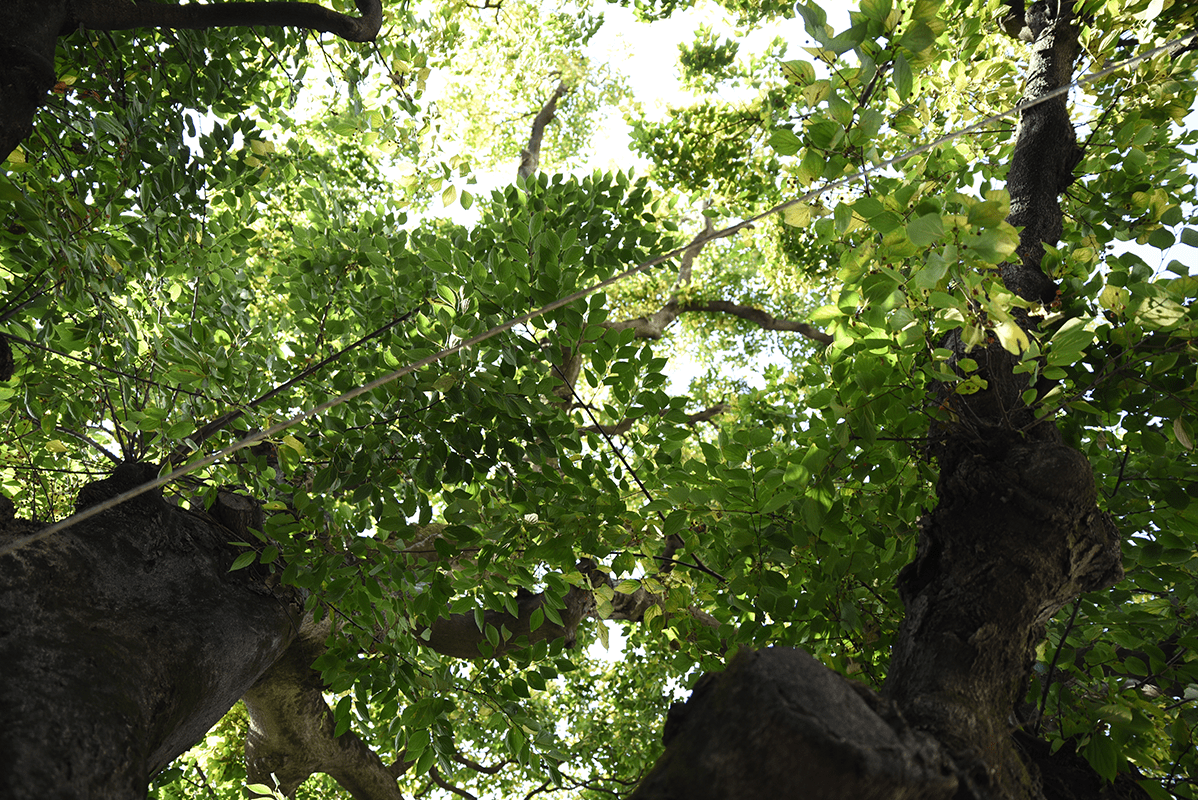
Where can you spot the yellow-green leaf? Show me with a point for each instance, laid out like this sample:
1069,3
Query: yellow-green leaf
1184,435
1012,337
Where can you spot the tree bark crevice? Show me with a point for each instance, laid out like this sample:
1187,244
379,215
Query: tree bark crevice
777,723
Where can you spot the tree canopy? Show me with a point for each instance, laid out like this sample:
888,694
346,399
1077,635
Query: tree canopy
927,418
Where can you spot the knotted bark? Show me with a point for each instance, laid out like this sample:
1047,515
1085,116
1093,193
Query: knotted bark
1016,533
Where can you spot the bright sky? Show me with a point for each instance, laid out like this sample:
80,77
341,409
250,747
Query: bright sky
648,52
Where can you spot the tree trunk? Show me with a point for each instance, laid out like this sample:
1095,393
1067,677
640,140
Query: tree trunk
1016,535
123,640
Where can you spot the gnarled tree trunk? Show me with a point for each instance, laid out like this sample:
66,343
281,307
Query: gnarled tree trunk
1016,535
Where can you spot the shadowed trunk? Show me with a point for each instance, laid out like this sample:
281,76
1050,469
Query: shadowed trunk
124,640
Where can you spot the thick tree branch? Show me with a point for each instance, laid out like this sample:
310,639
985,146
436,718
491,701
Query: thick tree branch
114,15
458,635
477,767
32,28
291,729
762,319
530,157
777,723
1016,533
449,787
653,326
77,677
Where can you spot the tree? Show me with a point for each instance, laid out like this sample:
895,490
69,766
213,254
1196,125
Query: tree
973,413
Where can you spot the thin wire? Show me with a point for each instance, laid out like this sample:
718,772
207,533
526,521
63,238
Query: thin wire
645,266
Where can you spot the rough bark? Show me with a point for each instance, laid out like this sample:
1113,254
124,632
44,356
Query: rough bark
26,64
778,723
1016,533
116,15
123,641
32,27
1015,536
762,319
291,729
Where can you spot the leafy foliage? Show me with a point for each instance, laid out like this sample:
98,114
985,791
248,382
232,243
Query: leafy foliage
194,223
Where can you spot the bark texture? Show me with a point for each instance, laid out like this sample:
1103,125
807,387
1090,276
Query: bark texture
530,156
114,15
291,729
31,30
143,639
779,724
1016,533
123,641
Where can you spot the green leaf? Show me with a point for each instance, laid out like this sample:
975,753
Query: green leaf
877,10
994,244
917,37
798,72
810,167
243,560
929,275
903,78
814,20
925,229
986,213
1103,756
1069,341
785,142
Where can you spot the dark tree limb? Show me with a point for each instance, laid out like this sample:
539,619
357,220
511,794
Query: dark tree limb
1016,533
116,15
137,645
449,787
654,325
777,723
32,27
760,318
458,635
